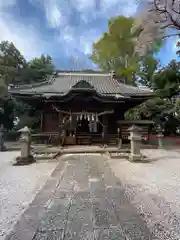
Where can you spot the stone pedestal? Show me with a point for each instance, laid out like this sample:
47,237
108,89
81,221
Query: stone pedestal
160,140
119,140
135,143
25,140
119,143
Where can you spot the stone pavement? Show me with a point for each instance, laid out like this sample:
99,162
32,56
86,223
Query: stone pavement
82,200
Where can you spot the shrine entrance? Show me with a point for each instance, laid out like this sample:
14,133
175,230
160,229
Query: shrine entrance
82,127
87,123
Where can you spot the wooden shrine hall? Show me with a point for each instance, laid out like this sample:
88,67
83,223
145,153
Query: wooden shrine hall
81,107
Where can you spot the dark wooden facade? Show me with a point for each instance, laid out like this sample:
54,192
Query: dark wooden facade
87,96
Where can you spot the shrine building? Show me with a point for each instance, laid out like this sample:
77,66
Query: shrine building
82,107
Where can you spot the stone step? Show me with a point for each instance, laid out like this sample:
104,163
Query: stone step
119,155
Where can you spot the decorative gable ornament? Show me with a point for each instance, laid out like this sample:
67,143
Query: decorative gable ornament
83,84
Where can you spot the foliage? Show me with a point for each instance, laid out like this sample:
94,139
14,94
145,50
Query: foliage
151,109
40,68
163,108
8,114
3,88
147,70
116,50
166,81
11,62
14,69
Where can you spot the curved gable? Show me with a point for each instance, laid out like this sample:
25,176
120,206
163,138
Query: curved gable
83,85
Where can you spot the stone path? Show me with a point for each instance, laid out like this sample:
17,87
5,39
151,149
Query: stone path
18,187
82,200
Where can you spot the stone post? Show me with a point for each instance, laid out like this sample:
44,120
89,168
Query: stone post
160,136
25,140
135,142
2,146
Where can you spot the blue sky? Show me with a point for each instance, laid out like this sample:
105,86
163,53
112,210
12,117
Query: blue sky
64,28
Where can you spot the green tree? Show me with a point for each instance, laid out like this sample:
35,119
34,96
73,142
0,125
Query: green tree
148,67
41,67
114,51
166,81
117,51
164,108
14,69
11,62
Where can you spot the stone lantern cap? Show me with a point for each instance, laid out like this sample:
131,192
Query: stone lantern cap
134,128
24,130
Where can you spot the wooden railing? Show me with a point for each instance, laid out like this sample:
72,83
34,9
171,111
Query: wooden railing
125,132
45,138
143,124
88,138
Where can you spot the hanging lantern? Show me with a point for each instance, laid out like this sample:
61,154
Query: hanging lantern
88,117
81,116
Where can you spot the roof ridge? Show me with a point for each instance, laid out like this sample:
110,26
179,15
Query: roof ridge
83,74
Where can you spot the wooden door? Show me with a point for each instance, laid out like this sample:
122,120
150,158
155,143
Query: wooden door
51,122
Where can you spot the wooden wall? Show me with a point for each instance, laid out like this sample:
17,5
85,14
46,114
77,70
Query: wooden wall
50,120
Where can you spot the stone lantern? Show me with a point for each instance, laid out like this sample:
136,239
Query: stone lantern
25,140
135,142
160,136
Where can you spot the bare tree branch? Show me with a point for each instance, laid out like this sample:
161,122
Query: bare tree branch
171,35
169,11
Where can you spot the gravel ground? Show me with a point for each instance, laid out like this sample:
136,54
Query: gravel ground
18,187
154,188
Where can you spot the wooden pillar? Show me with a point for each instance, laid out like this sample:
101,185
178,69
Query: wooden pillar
59,123
42,120
105,129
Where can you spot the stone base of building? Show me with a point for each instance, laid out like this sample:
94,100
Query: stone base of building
161,147
24,160
135,157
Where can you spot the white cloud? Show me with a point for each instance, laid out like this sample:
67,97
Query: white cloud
83,5
54,15
58,14
117,7
25,38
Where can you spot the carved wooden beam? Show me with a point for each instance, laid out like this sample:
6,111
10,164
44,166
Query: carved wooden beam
105,112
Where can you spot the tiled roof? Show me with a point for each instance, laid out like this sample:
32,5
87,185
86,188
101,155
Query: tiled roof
103,84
